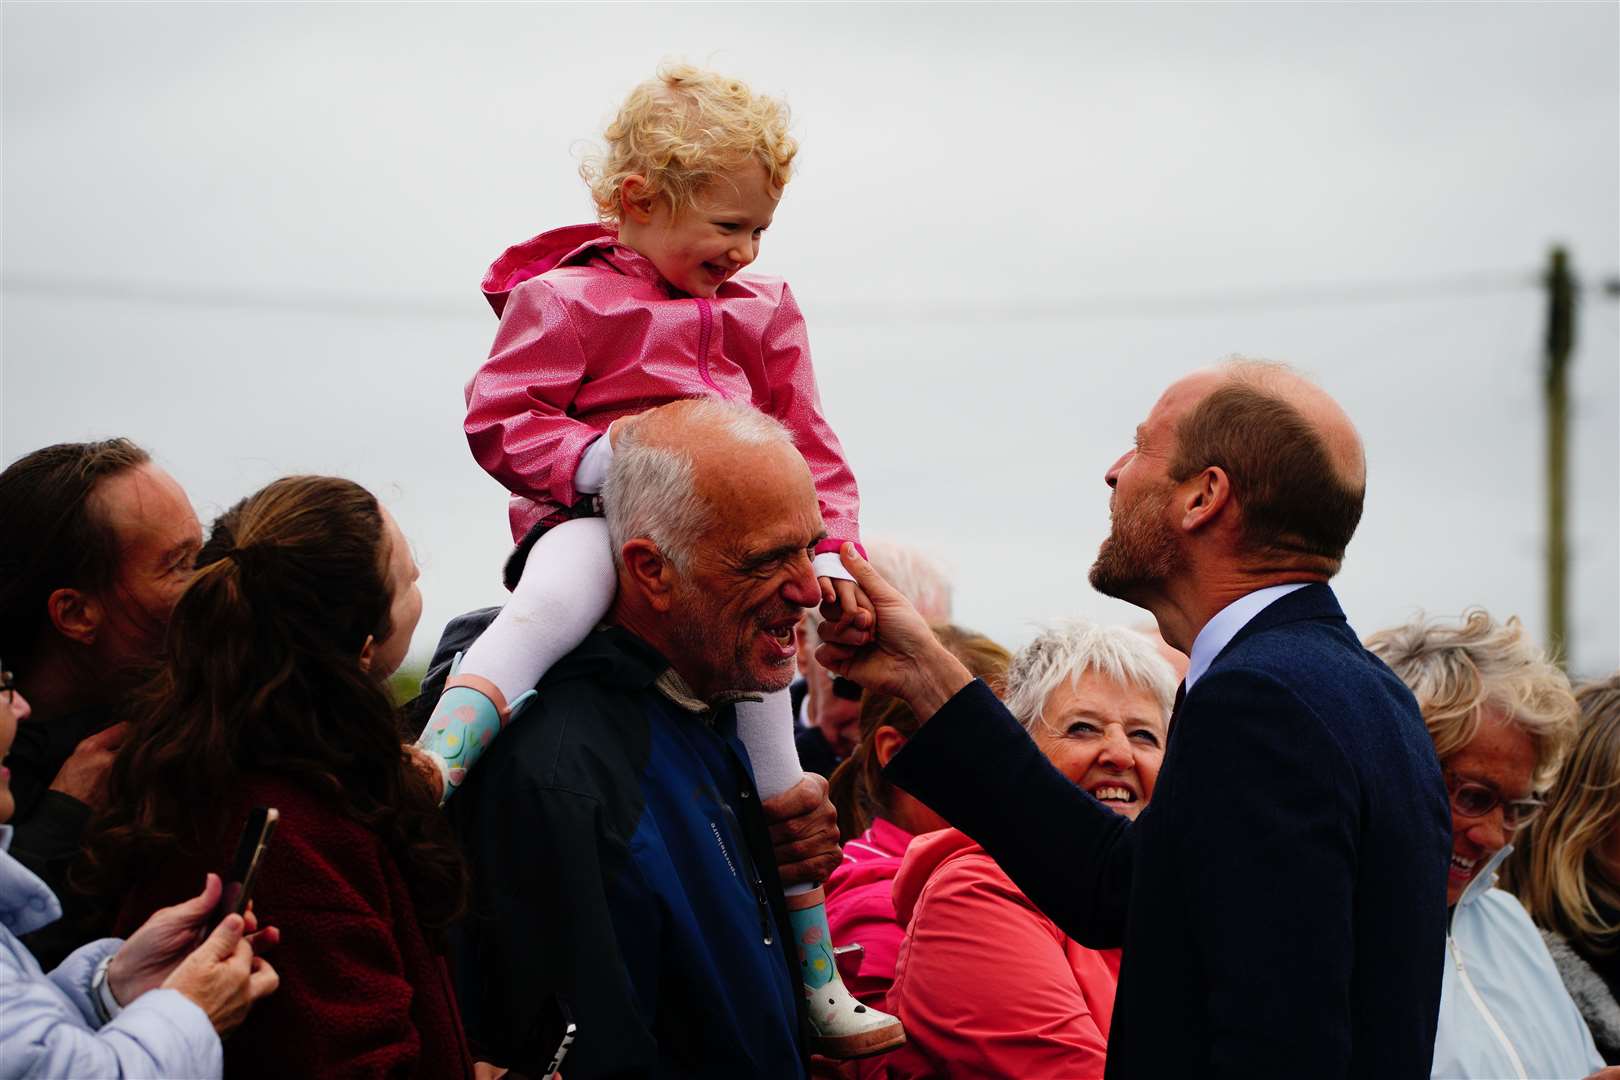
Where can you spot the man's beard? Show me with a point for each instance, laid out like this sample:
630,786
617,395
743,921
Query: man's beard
729,665
1141,549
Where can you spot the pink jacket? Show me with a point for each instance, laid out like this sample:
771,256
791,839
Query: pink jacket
590,332
860,909
988,986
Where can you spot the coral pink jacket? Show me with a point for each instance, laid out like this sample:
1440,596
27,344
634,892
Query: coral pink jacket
590,332
860,909
988,986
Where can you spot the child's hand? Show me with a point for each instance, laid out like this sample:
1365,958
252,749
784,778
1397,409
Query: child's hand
845,606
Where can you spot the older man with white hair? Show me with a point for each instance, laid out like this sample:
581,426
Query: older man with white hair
621,858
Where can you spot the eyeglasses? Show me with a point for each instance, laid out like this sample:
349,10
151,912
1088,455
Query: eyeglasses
1475,800
8,686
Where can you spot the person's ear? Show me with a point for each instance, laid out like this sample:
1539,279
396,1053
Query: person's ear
650,572
76,615
367,652
1204,497
635,202
886,742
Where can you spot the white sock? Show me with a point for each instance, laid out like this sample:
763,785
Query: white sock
566,588
766,729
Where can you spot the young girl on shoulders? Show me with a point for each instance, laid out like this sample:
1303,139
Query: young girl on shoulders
601,322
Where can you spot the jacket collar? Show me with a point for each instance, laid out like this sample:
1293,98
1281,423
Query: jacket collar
1314,601
1225,626
26,903
1485,880
613,654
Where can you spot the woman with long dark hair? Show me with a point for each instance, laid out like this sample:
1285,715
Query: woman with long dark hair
271,693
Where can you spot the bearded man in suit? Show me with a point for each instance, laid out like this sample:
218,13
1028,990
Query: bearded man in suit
1282,901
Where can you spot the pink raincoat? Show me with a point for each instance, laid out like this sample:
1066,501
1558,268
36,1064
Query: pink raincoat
988,986
860,909
590,332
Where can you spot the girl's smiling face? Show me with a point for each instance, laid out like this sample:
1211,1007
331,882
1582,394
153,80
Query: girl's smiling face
698,248
1106,738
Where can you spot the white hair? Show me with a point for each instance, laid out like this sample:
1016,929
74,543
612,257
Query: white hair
651,489
919,577
1065,651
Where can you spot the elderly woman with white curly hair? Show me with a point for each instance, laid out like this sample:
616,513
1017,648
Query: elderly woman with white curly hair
986,984
1502,718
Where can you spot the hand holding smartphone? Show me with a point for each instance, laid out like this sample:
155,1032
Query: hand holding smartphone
238,879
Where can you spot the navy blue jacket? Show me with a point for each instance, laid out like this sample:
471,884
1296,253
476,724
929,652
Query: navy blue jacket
619,858
1281,900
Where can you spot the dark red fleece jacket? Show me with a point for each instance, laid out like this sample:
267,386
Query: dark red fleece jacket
363,993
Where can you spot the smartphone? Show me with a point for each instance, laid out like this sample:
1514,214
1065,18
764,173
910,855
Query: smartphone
244,868
560,1031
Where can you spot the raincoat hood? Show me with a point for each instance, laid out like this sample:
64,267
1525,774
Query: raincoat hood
571,245
867,862
926,854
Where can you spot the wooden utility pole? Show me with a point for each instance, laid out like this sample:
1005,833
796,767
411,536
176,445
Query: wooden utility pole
1560,345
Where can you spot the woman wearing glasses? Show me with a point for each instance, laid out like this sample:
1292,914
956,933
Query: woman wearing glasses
1502,718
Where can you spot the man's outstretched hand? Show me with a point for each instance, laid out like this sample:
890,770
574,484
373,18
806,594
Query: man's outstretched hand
901,657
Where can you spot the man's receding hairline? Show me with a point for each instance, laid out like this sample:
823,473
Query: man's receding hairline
96,501
1266,379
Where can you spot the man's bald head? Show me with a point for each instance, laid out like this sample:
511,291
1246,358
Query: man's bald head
713,519
678,468
1292,456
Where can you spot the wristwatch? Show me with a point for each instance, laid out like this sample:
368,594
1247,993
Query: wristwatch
101,995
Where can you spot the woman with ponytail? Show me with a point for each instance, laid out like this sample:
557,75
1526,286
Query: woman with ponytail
271,693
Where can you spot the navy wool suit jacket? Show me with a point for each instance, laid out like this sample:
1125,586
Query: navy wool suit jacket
1281,900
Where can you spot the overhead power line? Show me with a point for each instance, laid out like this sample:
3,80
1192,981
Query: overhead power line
349,304
1182,304
888,310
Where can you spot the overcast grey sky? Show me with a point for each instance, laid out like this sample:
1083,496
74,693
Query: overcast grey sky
251,238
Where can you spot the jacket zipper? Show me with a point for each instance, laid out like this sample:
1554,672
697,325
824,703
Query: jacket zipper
1479,1003
705,334
761,899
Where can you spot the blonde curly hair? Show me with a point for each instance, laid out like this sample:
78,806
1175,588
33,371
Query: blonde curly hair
1458,669
1559,870
680,130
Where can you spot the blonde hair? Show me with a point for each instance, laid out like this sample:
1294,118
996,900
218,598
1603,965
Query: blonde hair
1557,869
681,129
1458,670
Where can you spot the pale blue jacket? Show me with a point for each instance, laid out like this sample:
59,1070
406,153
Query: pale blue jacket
48,1026
1504,1012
